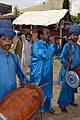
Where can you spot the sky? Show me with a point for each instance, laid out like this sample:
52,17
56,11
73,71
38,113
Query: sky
75,7
21,4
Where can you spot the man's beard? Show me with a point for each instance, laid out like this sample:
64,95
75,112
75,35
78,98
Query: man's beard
75,39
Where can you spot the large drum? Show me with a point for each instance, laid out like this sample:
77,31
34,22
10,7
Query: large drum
73,77
22,103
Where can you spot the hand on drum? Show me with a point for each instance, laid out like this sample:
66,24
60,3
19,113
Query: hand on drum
23,85
67,65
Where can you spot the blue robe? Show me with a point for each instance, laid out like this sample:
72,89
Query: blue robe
67,93
8,71
41,69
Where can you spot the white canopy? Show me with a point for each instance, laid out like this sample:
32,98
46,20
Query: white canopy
44,18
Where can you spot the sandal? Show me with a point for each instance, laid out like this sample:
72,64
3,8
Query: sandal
54,112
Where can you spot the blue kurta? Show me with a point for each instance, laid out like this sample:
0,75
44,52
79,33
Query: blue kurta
67,93
41,69
8,71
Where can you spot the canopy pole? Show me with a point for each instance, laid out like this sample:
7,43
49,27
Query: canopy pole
60,32
31,29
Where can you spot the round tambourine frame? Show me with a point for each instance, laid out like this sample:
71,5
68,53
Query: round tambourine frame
72,79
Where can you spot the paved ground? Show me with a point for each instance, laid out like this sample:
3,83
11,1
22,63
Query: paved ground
73,112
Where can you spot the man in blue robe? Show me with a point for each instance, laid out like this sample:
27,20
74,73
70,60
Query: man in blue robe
9,62
41,68
69,61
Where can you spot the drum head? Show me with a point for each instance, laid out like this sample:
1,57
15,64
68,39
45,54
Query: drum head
72,79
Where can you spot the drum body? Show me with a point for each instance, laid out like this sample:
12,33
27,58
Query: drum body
22,103
73,77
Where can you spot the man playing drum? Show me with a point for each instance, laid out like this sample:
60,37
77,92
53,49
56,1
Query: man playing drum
9,62
69,58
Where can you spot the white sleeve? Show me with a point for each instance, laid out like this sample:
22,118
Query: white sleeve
23,39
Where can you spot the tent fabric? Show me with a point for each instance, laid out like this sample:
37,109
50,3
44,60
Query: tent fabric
44,18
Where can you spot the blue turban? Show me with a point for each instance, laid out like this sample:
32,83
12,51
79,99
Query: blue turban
74,29
6,29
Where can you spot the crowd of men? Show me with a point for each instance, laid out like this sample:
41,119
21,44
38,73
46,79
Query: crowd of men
39,57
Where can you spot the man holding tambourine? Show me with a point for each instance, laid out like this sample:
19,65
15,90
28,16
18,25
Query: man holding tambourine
69,58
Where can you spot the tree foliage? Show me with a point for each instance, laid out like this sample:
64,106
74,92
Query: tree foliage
76,19
66,4
16,11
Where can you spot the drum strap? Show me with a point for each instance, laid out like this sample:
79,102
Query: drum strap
22,75
70,54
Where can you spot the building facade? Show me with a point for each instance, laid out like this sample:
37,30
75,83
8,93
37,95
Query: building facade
4,8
